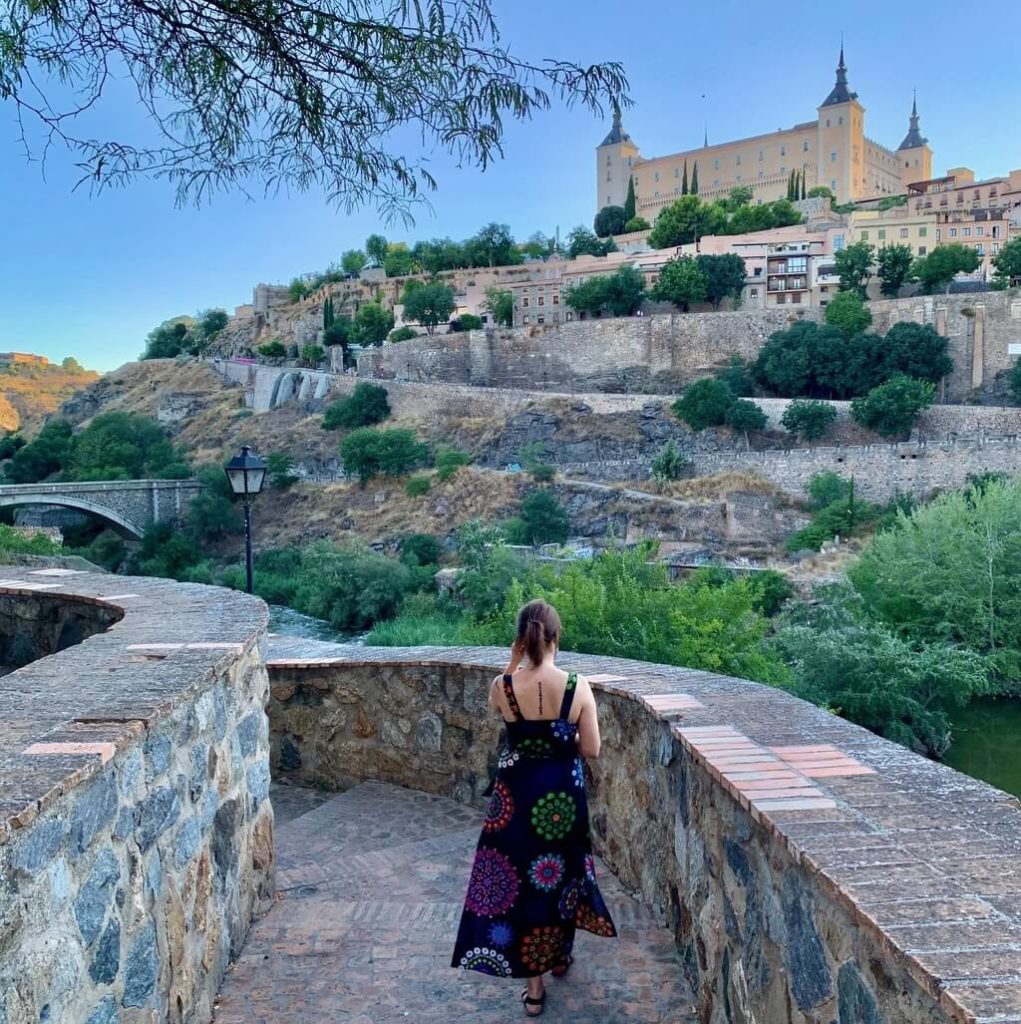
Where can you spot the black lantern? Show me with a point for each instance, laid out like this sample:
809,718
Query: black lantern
246,473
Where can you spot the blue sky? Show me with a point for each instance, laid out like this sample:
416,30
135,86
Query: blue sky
89,276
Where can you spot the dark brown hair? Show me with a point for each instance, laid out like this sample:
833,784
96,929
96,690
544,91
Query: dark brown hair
538,629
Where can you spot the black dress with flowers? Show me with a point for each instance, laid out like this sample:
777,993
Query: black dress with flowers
533,880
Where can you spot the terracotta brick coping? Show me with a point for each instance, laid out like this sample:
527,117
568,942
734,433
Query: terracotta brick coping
925,859
66,715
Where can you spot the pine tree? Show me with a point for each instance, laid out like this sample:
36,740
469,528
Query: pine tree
684,180
694,180
629,203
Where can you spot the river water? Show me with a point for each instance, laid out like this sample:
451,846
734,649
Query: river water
987,742
292,623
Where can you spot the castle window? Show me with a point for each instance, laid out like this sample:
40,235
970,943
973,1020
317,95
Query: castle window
980,249
903,232
840,120
737,160
540,319
609,176
966,232
833,185
833,157
939,234
762,154
542,300
996,231
838,243
864,236
922,232
980,231
524,301
996,248
783,151
526,319
804,146
921,250
716,165
677,172
762,174
556,299
882,234
656,176
953,232
827,122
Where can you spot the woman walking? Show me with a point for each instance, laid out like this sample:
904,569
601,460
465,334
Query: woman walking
533,880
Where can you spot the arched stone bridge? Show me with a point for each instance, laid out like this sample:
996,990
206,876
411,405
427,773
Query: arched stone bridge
128,505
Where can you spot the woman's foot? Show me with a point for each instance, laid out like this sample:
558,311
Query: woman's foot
561,969
534,997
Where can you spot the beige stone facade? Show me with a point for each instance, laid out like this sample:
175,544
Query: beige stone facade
831,150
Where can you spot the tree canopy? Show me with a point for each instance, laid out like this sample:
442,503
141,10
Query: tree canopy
894,268
267,96
943,264
618,294
1007,265
681,282
429,305
610,220
724,277
854,267
689,217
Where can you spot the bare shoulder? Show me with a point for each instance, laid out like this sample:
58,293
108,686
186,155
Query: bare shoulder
583,687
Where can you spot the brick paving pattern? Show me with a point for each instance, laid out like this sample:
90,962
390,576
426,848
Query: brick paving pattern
371,883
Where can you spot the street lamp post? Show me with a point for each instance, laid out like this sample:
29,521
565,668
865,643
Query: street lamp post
246,473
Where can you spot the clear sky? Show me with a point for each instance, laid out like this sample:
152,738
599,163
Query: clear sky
89,276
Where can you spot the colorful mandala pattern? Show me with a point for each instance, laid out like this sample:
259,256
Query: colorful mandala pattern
508,758
535,746
547,871
590,867
501,934
486,961
570,898
493,886
563,731
588,920
553,815
578,772
543,948
501,809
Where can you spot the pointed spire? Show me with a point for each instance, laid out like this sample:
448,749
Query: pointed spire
705,140
616,133
914,138
840,93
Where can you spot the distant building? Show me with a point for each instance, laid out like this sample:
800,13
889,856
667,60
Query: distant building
831,150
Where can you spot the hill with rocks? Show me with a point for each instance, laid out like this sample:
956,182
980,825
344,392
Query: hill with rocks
32,390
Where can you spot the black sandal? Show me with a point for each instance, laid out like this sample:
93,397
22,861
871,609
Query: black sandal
529,1001
561,970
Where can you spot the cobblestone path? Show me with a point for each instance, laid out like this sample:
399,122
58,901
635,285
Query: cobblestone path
370,889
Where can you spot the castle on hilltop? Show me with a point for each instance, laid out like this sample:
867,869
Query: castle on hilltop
832,150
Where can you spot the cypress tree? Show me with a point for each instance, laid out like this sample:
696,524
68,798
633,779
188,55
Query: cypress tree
803,195
684,180
694,180
790,185
328,314
629,203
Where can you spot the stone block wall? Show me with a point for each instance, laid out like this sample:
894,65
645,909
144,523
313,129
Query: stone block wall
845,906
33,626
136,840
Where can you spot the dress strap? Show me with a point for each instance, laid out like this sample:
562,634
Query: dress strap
572,685
512,701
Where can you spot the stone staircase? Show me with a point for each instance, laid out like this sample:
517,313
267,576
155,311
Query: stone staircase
371,883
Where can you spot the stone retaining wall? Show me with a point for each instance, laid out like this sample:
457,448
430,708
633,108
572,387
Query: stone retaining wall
136,834
885,891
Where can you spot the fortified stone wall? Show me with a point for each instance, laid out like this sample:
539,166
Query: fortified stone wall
136,836
811,872
662,353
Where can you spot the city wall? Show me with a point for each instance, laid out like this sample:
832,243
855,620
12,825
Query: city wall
877,893
136,833
664,353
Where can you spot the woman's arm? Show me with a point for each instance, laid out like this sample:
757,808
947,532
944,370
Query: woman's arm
589,741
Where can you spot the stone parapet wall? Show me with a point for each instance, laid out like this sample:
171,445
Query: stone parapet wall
136,833
883,891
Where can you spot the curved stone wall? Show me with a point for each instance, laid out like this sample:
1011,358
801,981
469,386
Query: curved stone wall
136,834
810,871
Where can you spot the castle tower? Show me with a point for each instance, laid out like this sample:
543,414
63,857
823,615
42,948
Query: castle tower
840,154
914,152
615,156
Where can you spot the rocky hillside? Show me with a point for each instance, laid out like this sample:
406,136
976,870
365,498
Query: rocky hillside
30,392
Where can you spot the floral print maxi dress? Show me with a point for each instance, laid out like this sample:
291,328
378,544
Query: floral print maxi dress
533,880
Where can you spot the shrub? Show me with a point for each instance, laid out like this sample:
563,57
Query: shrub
312,355
704,404
543,519
368,453
637,224
809,419
466,322
844,518
542,472
10,444
13,542
669,464
848,312
273,350
449,461
737,376
826,488
420,549
280,470
212,514
892,408
771,590
418,486
745,416
366,406
403,334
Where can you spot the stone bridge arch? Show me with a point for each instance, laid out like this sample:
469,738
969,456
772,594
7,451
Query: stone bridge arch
128,505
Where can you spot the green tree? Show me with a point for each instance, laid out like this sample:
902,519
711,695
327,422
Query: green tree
854,267
681,282
694,179
376,248
465,322
704,404
366,406
367,453
1007,265
825,489
744,417
212,514
543,519
618,294
740,195
274,349
371,325
892,408
280,471
298,289
822,192
1014,381
914,350
684,220
610,220
943,264
404,333
724,277
71,365
809,419
493,246
123,446
398,261
636,224
630,209
328,314
168,340
312,354
582,242
421,549
45,455
353,261
669,464
684,181
950,571
894,268
429,305
848,312
737,376
500,304
338,333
